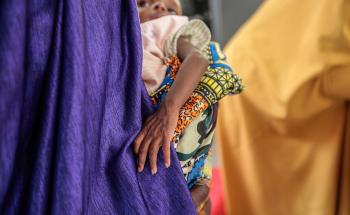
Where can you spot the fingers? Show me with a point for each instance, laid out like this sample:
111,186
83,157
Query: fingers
143,133
143,154
166,152
156,132
144,148
151,146
153,154
166,147
140,137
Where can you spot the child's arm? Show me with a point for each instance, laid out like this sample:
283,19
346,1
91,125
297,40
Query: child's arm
159,128
192,69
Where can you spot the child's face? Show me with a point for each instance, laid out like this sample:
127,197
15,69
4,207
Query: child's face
153,9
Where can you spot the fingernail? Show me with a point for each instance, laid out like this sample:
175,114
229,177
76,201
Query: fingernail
154,171
167,165
139,169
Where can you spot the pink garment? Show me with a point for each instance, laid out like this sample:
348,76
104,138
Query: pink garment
154,34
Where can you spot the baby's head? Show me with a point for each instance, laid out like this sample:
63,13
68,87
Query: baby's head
153,9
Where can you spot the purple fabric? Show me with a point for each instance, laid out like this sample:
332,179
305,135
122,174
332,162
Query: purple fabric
71,103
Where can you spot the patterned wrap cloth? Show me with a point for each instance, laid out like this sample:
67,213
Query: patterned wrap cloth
197,118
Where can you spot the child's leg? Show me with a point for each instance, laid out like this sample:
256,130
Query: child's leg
200,196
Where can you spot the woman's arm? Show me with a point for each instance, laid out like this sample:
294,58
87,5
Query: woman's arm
159,128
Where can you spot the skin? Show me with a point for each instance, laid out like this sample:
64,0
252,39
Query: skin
159,128
153,9
200,197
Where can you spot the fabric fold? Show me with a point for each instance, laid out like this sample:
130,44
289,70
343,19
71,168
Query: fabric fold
72,101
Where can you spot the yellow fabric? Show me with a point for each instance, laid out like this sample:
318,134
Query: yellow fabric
344,191
283,140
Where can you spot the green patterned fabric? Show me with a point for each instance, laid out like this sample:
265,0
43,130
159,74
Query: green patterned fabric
193,142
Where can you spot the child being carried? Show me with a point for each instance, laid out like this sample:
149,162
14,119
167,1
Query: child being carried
186,75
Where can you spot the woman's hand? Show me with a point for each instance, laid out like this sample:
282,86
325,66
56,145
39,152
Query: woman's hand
159,128
157,132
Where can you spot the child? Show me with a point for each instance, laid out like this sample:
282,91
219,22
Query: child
185,76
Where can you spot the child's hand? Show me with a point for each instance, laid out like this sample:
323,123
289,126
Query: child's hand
157,132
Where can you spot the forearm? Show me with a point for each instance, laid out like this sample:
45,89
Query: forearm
187,79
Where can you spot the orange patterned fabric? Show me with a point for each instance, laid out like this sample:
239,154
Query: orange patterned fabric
197,118
195,105
173,66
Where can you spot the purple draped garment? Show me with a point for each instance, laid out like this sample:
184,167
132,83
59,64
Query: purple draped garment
71,103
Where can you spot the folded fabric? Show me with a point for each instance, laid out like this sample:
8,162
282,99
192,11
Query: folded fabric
218,81
71,103
197,118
